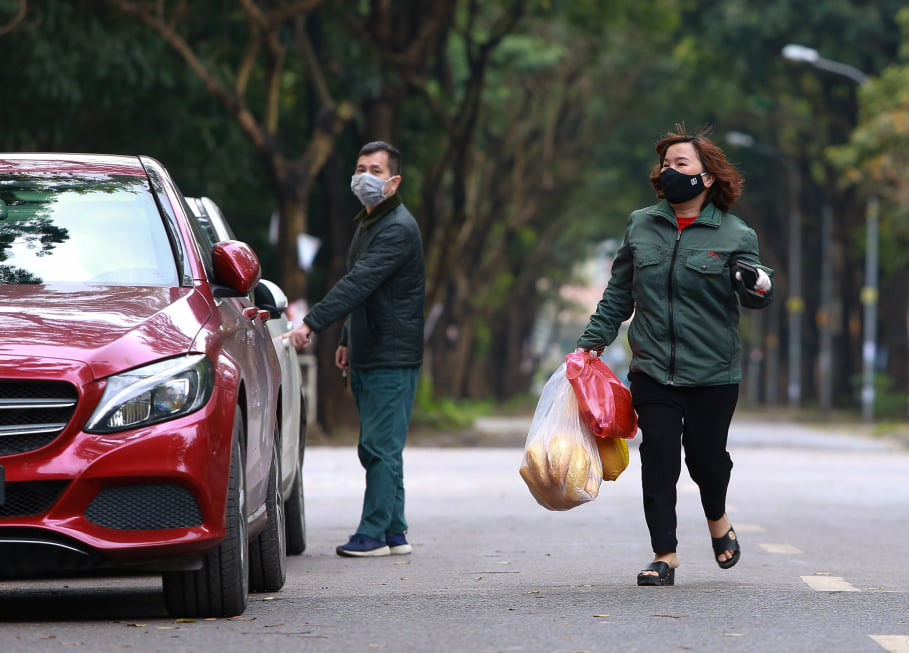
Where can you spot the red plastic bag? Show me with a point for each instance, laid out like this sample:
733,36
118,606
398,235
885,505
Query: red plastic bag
603,400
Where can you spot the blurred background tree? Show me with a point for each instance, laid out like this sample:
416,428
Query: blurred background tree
527,129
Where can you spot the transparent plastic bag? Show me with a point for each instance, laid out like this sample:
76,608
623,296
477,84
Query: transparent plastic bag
561,463
603,400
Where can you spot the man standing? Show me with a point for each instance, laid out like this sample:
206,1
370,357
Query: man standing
381,296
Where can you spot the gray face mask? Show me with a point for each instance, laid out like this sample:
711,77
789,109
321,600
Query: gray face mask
369,189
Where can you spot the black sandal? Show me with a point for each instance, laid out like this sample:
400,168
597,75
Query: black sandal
666,574
729,542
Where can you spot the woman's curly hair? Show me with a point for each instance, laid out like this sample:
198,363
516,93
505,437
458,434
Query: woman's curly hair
727,184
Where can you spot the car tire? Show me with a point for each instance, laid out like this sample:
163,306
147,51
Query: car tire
294,509
220,588
268,552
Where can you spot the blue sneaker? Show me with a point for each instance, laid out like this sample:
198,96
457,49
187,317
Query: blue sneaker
397,544
363,546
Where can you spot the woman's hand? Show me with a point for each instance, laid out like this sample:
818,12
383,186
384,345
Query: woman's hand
763,282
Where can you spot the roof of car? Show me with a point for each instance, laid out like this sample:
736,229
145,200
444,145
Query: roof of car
99,164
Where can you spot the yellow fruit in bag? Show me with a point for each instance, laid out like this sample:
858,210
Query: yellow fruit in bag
613,456
578,469
537,464
536,474
593,486
559,457
537,490
583,481
596,465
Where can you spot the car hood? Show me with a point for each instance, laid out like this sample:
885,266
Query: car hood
110,328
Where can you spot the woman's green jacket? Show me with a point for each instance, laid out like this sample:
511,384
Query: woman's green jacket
681,289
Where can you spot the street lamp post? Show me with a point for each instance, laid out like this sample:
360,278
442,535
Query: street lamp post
795,52
795,305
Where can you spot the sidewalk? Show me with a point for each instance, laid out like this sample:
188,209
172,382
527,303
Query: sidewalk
747,430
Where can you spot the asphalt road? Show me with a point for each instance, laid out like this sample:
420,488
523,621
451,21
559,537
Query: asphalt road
821,517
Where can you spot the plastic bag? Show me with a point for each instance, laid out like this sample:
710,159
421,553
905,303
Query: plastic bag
604,401
613,456
561,464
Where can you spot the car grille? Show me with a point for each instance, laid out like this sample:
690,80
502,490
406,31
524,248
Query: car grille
144,507
24,498
33,413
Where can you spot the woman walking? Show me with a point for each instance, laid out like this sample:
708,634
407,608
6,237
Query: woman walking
685,266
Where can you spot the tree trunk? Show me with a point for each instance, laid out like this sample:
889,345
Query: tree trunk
292,217
336,405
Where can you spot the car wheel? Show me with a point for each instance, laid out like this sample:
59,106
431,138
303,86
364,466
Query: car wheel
220,588
268,552
294,510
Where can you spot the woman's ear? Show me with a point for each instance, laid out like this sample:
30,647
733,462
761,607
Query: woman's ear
708,179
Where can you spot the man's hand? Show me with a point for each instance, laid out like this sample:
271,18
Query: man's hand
341,361
299,337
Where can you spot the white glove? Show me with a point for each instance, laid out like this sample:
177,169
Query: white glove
763,283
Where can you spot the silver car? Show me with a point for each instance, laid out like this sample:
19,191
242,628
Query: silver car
268,296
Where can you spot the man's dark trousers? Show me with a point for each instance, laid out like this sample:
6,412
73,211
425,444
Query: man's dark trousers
385,399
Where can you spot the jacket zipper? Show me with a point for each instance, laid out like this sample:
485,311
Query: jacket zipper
675,253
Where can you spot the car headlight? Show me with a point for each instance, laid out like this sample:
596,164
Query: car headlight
153,393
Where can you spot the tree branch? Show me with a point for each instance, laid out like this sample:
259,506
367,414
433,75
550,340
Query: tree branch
231,101
298,8
307,56
246,66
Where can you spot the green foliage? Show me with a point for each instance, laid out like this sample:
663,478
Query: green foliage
876,159
572,102
445,412
890,402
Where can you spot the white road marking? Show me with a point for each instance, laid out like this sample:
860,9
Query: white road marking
829,584
748,528
892,643
780,548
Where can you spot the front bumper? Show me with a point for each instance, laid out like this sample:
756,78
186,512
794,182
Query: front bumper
153,496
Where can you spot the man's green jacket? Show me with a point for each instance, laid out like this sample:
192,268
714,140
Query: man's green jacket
681,288
383,293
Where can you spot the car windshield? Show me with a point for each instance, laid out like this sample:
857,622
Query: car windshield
71,228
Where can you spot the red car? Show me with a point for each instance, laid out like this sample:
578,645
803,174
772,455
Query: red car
139,387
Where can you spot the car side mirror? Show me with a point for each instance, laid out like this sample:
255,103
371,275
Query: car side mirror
269,296
237,269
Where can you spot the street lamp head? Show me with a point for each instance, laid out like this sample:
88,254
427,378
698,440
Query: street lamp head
740,139
795,52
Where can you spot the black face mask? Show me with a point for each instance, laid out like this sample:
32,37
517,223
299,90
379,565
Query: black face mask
679,187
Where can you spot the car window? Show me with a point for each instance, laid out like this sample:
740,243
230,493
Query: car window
63,227
204,222
200,235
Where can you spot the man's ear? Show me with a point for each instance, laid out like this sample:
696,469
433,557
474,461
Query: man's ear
391,186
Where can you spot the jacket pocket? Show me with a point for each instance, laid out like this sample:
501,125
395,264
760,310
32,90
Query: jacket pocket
650,274
643,259
710,275
706,263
